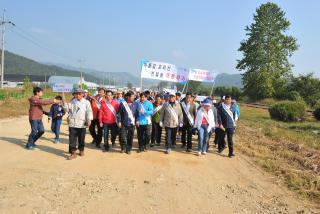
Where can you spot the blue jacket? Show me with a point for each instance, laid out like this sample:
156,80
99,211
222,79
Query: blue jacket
224,118
145,118
56,112
123,116
237,109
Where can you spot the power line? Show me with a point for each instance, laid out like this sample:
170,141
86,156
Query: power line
23,35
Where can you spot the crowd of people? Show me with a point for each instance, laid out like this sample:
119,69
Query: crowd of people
150,113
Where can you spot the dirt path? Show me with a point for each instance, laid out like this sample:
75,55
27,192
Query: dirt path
43,181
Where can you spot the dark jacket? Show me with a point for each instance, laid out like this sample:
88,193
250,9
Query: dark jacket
224,118
193,113
56,112
123,116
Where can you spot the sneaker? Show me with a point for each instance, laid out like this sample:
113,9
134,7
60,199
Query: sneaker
152,145
183,145
56,141
98,146
199,153
231,155
173,146
122,151
158,144
204,153
128,152
189,150
29,147
168,151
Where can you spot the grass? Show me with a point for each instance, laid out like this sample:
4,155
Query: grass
288,150
14,102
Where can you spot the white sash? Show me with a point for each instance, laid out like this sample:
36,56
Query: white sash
190,119
173,113
229,113
157,109
126,106
111,108
206,115
98,102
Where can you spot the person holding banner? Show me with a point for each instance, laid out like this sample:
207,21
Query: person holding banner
171,118
79,118
204,123
189,111
95,102
143,123
156,129
128,113
227,118
108,119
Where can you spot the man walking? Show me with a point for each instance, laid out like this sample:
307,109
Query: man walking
189,111
143,124
128,113
80,116
171,118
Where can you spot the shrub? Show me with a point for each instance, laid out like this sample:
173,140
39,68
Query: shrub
288,111
316,112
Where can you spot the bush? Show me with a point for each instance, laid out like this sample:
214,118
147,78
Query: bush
316,112
287,111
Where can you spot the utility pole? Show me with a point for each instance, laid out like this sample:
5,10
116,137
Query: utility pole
81,76
3,23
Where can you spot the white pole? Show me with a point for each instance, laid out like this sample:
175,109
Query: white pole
2,54
184,86
212,89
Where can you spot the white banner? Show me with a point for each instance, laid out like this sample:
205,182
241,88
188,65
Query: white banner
163,71
62,87
202,75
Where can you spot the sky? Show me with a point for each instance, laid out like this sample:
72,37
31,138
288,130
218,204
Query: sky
113,36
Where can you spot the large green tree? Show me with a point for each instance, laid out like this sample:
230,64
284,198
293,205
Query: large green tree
266,52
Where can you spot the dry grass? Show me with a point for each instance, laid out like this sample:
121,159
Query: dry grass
16,102
288,150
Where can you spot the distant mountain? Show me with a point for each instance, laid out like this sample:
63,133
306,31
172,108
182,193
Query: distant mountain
16,64
229,80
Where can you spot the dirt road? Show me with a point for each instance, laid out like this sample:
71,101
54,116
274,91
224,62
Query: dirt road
43,181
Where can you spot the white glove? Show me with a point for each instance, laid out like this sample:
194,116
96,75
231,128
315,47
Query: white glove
161,124
181,124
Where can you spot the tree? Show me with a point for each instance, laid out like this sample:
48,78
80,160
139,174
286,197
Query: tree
266,52
27,84
307,86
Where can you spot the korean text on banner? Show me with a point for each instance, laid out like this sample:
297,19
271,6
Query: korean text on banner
62,87
202,75
163,71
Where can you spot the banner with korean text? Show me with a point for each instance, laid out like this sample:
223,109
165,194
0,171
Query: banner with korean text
163,71
202,75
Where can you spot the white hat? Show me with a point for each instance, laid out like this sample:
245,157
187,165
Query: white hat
214,101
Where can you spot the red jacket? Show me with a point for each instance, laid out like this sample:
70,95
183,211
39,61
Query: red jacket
95,109
105,114
36,111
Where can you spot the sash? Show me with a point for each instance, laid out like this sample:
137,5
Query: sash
206,116
229,113
157,109
173,113
98,103
190,119
126,106
147,117
111,108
